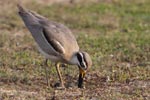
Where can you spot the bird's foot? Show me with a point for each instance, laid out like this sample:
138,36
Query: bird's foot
59,86
64,65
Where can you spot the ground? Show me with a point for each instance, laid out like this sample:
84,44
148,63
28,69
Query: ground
116,34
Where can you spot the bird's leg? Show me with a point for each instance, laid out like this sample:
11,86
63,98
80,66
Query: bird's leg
46,65
59,75
64,65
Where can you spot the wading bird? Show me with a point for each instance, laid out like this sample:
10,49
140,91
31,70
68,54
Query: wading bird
56,42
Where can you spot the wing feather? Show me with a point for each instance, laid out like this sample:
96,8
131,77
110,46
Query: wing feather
54,43
53,38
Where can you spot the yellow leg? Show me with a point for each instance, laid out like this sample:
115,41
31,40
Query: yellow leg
59,74
46,65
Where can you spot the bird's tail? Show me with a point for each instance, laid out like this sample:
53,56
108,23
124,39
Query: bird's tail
21,8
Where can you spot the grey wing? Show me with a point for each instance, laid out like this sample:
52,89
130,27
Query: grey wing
32,23
53,42
53,38
62,35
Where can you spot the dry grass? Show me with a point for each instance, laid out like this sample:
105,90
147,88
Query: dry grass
114,32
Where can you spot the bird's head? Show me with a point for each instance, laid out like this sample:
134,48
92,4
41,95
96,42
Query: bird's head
84,63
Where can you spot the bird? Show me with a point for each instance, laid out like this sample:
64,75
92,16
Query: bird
56,42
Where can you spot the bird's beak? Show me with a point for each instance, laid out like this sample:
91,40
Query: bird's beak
81,77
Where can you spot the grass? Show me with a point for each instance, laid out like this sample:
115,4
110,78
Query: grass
115,34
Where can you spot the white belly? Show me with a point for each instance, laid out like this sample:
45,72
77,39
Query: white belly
47,56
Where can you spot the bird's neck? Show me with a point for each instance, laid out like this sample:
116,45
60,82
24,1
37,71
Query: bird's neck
74,60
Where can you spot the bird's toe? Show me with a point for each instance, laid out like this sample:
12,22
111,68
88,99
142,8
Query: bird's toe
59,86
